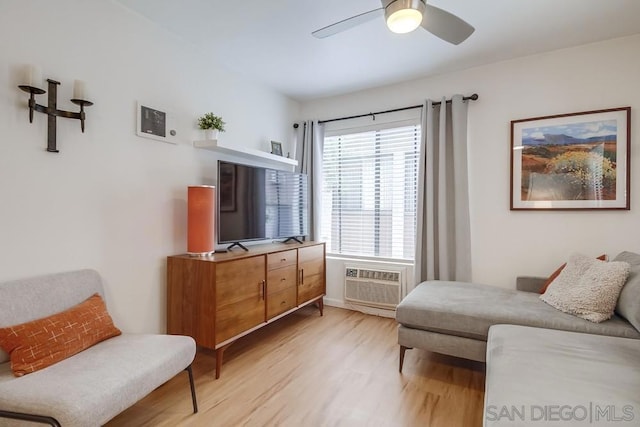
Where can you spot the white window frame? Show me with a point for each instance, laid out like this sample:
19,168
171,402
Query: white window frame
387,121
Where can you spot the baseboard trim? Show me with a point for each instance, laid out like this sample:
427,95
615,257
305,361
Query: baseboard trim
361,308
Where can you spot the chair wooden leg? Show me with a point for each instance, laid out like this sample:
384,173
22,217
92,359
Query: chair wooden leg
402,350
193,389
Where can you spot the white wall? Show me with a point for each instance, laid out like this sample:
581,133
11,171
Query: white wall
111,200
504,243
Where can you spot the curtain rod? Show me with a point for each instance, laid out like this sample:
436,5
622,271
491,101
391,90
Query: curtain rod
466,98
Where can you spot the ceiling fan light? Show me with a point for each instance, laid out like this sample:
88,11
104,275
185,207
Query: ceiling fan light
404,21
404,16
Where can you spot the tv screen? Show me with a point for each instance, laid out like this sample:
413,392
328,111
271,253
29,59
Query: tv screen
257,203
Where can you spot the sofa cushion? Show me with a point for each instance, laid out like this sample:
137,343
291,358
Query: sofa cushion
468,310
629,301
95,385
531,369
588,288
40,343
556,273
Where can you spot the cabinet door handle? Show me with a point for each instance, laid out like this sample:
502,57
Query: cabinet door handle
302,276
262,289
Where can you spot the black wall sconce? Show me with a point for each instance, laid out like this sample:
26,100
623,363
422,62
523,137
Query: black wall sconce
52,109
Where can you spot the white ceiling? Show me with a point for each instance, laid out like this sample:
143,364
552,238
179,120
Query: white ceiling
270,40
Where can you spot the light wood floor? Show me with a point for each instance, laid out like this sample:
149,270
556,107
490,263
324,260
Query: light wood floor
305,370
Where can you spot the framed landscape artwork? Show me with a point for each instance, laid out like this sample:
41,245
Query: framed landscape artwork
571,161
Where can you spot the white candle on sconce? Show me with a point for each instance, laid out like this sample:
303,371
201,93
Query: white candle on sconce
33,76
79,90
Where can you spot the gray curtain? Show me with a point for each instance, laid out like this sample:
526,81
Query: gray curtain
443,243
308,153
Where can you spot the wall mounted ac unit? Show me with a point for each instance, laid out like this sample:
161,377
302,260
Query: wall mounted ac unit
373,287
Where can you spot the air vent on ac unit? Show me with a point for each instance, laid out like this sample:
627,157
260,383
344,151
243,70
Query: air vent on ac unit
373,287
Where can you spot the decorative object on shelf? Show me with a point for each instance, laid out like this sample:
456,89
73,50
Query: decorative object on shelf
33,78
156,124
571,161
201,232
211,124
210,134
276,148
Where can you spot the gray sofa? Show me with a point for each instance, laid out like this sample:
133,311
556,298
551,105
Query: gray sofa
95,385
544,367
454,317
547,377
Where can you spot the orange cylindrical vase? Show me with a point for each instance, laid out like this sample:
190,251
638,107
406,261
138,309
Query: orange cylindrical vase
201,230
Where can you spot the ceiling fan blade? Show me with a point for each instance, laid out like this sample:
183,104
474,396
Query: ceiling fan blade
446,25
345,24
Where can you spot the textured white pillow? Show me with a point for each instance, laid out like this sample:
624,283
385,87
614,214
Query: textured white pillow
587,287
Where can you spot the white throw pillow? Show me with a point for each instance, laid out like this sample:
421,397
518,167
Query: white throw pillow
587,287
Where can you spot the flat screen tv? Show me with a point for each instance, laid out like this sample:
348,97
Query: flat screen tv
257,203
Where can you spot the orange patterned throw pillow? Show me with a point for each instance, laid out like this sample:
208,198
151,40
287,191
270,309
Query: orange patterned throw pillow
41,343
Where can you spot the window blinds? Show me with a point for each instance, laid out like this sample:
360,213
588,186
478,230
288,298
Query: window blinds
369,192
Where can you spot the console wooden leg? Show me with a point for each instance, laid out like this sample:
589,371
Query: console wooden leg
321,306
402,350
219,357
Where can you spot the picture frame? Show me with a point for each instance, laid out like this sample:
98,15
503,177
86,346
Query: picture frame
276,148
155,123
575,161
227,198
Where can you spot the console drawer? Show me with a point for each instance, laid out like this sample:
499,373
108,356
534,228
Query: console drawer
280,302
282,259
280,279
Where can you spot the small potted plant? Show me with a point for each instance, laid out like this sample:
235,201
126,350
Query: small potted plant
211,124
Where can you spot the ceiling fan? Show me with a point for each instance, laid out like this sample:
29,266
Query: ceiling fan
404,16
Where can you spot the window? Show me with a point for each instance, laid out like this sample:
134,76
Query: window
369,192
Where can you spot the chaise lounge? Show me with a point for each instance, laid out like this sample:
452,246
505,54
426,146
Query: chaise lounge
548,377
454,317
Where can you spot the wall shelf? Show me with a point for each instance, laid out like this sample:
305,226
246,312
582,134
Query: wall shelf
215,145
